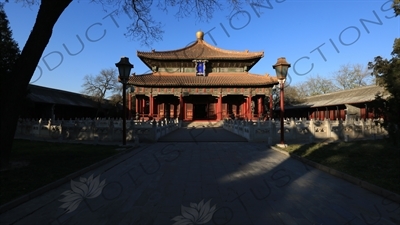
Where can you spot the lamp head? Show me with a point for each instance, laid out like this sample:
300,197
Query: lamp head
124,68
281,68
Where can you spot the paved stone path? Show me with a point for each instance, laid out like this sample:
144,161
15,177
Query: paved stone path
210,182
200,134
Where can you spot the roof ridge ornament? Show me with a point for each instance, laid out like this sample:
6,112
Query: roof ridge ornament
199,35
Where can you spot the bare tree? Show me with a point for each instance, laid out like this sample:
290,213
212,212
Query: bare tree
302,90
293,96
116,99
396,7
350,76
316,86
98,86
347,77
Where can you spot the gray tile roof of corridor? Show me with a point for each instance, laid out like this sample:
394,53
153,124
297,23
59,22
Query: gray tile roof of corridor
246,182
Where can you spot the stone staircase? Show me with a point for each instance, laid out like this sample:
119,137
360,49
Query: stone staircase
202,124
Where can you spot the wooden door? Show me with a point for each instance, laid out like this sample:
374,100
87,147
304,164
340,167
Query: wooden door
224,110
235,110
211,110
172,111
189,111
161,110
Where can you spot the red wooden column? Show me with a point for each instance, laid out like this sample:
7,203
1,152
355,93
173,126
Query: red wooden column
260,107
249,114
219,107
143,105
181,111
246,108
151,100
136,105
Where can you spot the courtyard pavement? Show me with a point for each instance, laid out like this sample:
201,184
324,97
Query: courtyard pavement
205,182
202,134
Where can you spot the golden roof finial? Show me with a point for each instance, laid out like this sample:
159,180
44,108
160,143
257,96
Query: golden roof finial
199,35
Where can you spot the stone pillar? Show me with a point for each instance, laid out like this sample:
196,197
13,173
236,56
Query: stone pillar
328,127
293,128
312,127
363,128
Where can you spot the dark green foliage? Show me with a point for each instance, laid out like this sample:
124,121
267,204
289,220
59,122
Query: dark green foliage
9,50
379,106
387,72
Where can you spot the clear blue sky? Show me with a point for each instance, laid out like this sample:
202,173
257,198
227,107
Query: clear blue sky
325,34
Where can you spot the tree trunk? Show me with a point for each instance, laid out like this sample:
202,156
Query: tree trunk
13,87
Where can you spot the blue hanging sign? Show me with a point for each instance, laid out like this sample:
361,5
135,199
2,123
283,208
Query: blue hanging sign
200,68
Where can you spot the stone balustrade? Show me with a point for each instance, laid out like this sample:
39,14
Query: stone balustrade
302,130
103,129
99,130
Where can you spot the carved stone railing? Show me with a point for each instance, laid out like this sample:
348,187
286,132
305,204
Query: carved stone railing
301,130
99,130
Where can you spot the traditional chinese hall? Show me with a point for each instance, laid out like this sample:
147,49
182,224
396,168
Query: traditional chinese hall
201,82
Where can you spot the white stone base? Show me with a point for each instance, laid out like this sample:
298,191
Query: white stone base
281,145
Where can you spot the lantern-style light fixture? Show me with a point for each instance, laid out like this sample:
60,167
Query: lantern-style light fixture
281,67
124,69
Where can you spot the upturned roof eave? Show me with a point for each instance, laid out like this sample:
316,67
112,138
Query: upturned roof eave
139,53
173,54
202,85
169,58
144,61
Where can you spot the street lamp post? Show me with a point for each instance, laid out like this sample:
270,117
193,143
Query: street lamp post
281,67
124,69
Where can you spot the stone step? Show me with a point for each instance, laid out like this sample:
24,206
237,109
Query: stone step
202,123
